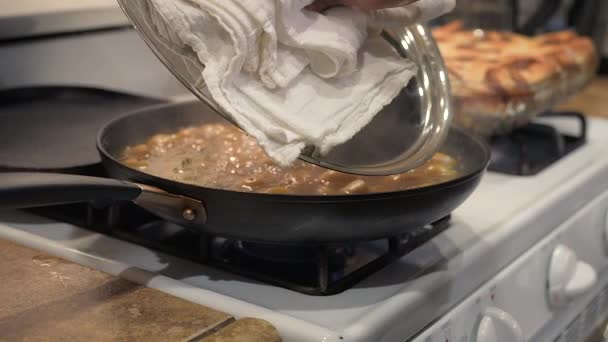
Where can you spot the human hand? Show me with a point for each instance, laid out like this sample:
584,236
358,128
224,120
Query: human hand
321,5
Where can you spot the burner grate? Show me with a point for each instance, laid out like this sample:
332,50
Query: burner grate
531,149
323,270
312,270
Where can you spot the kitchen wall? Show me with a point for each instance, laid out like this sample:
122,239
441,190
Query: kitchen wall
77,42
26,18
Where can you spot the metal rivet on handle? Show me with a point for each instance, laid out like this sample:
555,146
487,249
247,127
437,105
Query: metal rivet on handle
189,214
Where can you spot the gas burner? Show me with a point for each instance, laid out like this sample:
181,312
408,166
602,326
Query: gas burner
529,150
319,270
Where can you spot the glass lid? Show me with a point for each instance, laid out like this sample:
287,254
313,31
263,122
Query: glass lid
404,135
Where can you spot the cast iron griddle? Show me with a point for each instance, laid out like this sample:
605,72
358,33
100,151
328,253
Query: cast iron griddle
54,128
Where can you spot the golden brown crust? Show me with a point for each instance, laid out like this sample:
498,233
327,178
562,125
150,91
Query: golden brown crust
495,72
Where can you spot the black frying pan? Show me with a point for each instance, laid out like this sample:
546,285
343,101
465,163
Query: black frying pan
247,216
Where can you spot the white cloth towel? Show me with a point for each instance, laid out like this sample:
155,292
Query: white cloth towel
288,76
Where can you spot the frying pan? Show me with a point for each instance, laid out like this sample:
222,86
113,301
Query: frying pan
270,218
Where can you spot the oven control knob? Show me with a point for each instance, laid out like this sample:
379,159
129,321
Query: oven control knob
569,277
498,326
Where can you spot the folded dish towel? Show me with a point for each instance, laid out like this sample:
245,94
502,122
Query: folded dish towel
288,76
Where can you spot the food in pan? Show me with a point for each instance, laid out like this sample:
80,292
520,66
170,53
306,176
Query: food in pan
222,156
507,73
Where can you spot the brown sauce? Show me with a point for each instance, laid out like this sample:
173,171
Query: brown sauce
222,156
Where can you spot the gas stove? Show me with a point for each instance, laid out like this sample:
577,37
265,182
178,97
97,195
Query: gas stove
471,263
489,267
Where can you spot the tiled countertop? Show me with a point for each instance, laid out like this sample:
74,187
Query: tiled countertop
48,299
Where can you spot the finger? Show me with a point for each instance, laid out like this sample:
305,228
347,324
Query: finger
322,5
378,4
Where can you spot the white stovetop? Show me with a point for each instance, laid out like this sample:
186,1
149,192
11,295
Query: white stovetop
504,218
25,18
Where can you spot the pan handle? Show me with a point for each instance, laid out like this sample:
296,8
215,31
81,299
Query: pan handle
34,189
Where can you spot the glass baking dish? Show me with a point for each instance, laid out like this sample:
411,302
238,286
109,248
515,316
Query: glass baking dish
501,80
